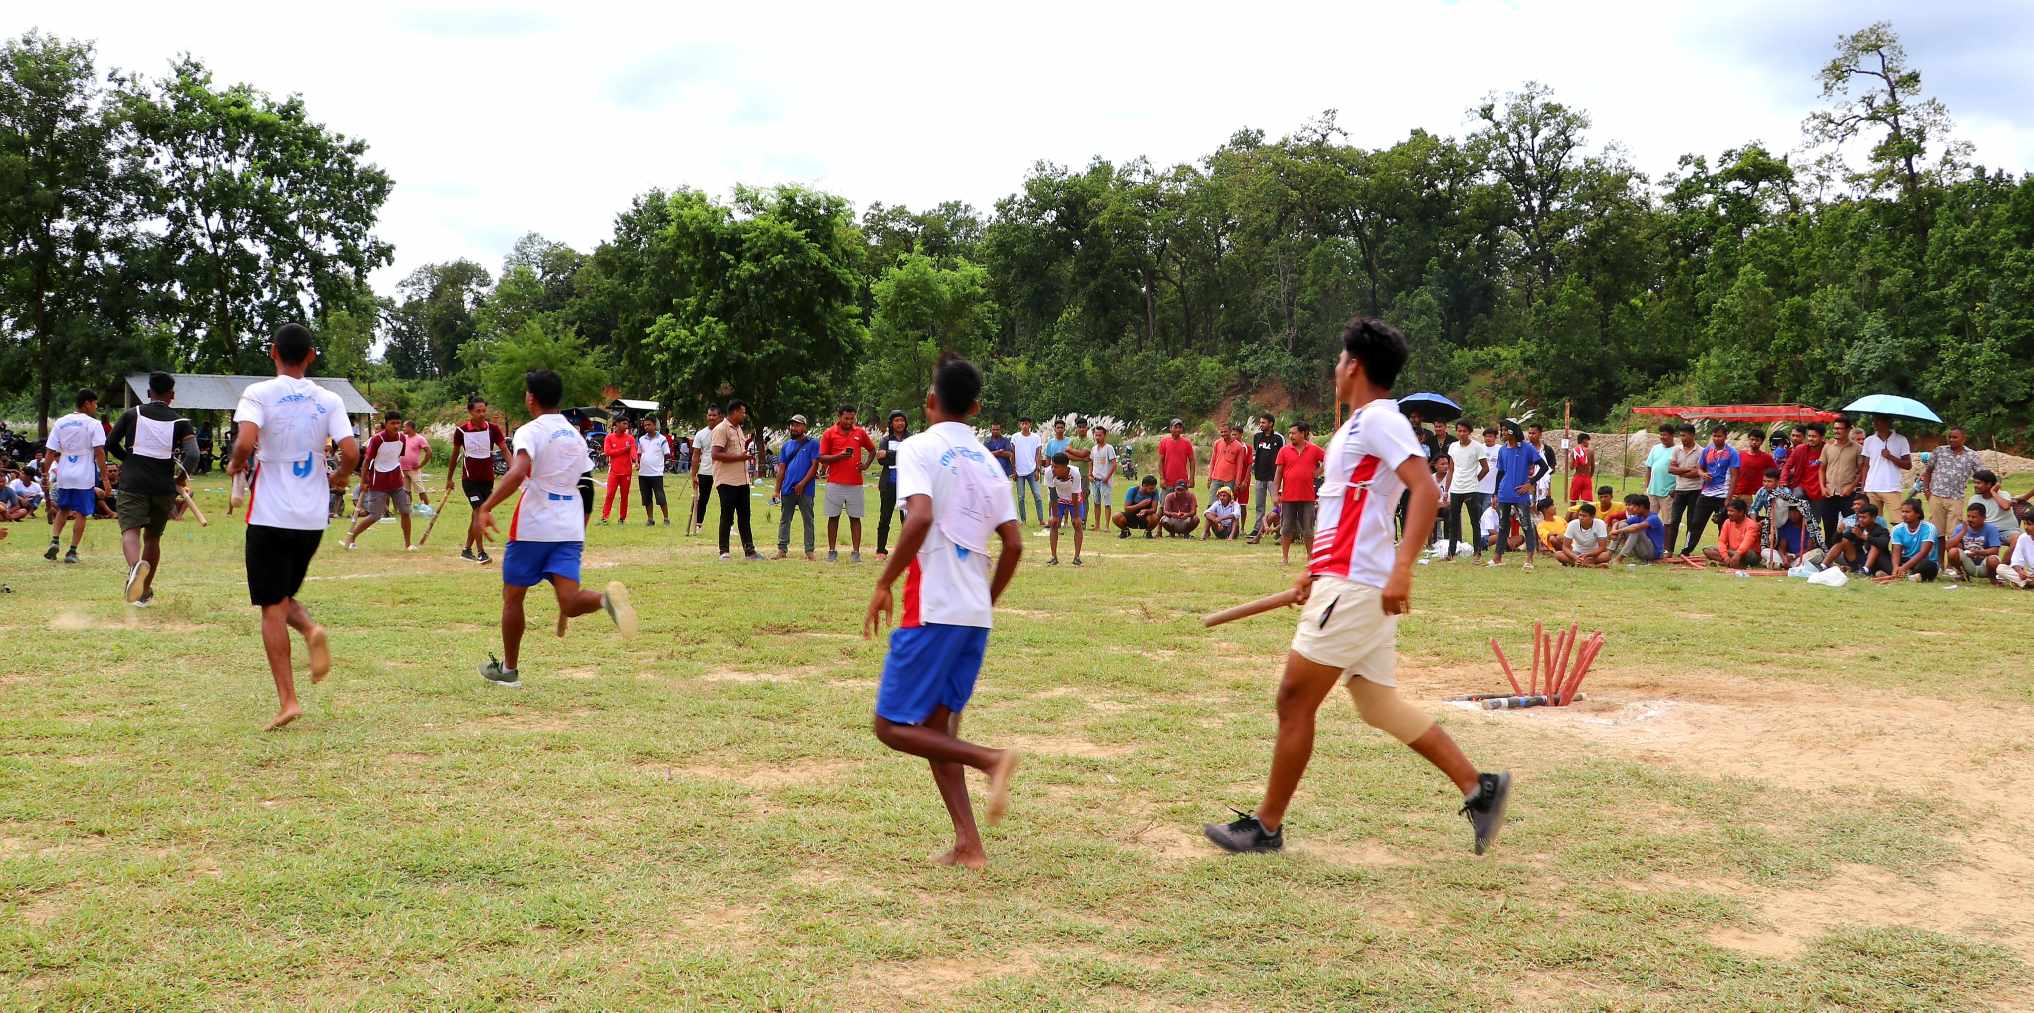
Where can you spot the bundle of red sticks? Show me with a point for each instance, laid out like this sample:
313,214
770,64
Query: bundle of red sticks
1557,672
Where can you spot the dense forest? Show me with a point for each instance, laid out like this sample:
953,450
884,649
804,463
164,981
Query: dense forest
172,222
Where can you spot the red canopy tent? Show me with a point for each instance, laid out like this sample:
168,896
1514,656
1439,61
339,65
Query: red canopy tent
1742,412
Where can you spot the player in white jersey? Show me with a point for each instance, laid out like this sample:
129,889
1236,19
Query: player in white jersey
283,425
954,496
75,457
547,534
1356,586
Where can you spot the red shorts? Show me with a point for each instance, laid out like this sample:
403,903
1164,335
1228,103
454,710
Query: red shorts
1579,490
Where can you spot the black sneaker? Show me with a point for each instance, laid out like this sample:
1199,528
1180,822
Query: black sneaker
481,558
1124,533
72,555
52,553
1485,808
507,678
467,554
1244,834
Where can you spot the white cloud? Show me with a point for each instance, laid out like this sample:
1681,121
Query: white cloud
495,121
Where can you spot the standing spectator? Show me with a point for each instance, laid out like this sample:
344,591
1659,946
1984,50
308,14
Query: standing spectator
840,449
1581,470
1264,447
1057,445
731,453
1536,438
1801,471
1914,542
1975,548
1586,543
1687,469
703,467
1660,476
1224,517
1519,468
1299,464
1886,457
1469,462
1737,539
1175,457
1140,509
1842,473
797,473
999,447
1752,464
1228,461
1026,450
416,454
1719,475
1640,538
1946,480
1101,459
887,450
1181,512
653,449
620,448
1489,487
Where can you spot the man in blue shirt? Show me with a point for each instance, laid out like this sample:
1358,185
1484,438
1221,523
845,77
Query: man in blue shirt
1140,509
1519,468
1000,448
797,470
1719,463
1975,548
1059,442
1913,546
1641,538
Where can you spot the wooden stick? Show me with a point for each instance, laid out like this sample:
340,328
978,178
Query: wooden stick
428,528
1589,658
1501,660
1248,609
184,493
1533,681
1567,655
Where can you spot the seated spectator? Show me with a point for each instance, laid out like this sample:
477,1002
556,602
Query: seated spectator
2020,572
1737,542
1181,512
1608,509
1586,542
1999,512
1641,538
1913,541
1140,509
1549,526
1224,517
26,492
1865,545
1975,548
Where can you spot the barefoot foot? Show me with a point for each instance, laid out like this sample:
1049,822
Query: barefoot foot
320,651
970,859
561,625
999,787
283,717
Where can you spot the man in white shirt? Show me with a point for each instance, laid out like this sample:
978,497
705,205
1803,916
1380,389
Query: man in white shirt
1886,459
76,455
702,470
1027,446
283,425
1101,460
1067,491
1469,465
653,451
547,534
955,497
1587,542
1356,585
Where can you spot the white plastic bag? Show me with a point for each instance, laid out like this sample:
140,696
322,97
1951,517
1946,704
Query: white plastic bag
1803,568
1832,577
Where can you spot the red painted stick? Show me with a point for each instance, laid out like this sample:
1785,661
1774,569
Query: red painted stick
1582,661
1575,683
1507,667
1533,681
1568,652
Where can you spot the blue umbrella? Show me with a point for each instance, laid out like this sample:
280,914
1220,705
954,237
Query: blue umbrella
1432,407
1895,405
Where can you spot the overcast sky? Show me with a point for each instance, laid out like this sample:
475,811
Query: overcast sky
496,120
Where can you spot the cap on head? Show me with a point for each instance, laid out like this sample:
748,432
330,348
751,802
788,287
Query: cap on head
799,420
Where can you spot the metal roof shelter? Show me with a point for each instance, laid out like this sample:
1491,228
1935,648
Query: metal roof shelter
212,392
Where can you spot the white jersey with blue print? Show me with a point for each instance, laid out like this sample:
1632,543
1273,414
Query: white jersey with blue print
73,439
549,510
947,582
296,417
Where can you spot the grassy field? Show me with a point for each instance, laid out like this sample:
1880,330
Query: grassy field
1777,796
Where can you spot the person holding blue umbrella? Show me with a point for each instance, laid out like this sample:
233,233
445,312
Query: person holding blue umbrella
1887,458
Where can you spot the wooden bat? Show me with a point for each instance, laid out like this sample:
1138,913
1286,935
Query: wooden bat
184,492
435,514
1248,609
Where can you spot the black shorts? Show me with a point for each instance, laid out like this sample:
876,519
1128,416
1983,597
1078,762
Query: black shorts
476,492
277,559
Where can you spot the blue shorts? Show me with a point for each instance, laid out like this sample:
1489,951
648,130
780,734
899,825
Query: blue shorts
527,564
1070,511
929,667
77,501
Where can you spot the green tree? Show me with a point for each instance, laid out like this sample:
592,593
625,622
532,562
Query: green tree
922,309
534,347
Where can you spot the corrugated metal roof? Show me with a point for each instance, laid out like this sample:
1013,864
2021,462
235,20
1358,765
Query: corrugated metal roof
641,406
212,392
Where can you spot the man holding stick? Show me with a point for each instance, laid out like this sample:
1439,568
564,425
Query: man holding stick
1356,586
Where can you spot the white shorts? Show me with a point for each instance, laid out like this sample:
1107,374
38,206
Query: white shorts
1344,626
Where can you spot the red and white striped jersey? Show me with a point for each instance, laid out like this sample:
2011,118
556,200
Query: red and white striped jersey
1360,488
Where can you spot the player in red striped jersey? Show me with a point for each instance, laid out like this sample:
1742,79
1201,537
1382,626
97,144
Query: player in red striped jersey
1357,584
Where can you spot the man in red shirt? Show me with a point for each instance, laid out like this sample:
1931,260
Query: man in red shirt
620,447
1176,457
1752,464
1299,463
381,480
473,447
846,450
1227,463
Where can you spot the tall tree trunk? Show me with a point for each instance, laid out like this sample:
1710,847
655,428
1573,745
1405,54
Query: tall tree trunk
42,385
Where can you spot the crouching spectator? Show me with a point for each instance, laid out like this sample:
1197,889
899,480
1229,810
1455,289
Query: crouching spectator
1975,549
1641,538
1586,542
1737,541
1224,517
1140,509
1181,512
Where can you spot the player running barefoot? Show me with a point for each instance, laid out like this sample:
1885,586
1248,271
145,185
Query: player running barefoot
954,496
283,424
473,446
548,530
1356,586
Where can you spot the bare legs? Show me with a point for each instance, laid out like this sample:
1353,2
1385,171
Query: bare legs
937,740
276,623
572,601
138,547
